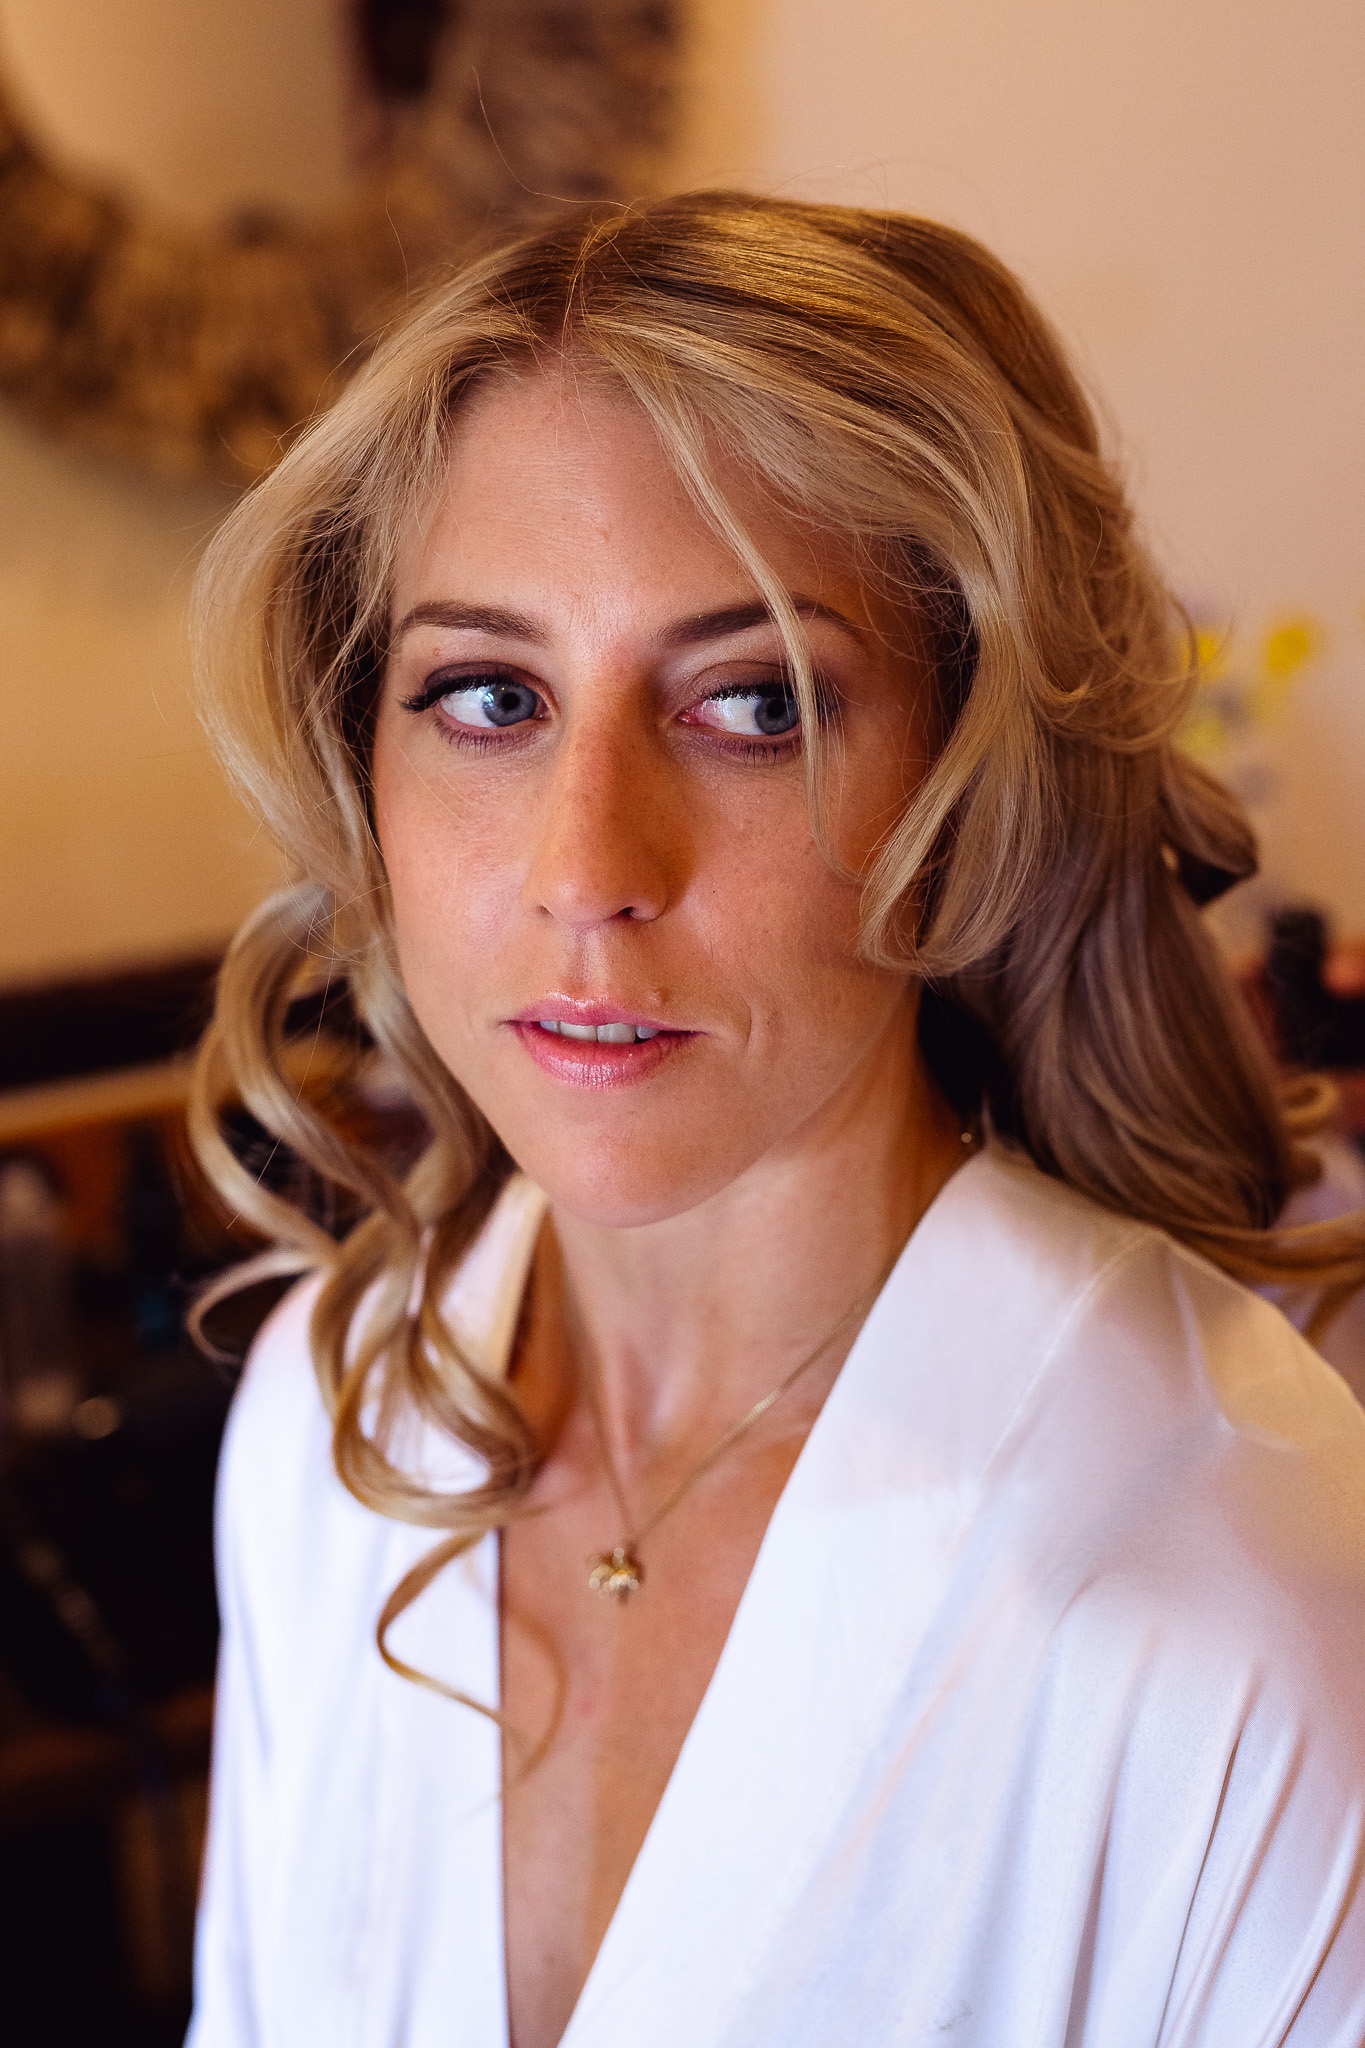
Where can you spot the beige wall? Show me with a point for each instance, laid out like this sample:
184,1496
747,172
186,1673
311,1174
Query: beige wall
1179,180
198,105
118,837
1182,182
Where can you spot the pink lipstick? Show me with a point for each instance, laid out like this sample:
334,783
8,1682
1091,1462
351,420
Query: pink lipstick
592,1045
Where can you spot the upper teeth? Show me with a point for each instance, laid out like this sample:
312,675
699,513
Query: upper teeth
605,1034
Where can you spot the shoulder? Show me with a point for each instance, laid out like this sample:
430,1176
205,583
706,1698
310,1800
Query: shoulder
1163,1349
285,1519
278,1423
1213,1465
1162,1439
1125,1319
281,1506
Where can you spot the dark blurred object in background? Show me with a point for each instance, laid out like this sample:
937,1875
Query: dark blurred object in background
398,40
62,1029
109,1439
1316,1024
110,1423
37,1383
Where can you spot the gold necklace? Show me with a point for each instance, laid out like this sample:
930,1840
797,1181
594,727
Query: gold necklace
618,1572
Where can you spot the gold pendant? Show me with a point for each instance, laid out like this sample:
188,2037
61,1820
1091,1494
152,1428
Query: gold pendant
617,1574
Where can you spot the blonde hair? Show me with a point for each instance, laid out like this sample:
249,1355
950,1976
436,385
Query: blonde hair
888,382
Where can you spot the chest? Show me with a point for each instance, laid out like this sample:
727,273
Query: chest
892,1804
838,1804
598,1697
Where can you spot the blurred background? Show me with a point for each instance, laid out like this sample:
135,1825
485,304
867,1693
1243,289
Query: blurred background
206,208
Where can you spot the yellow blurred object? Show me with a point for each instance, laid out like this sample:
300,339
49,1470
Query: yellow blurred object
1286,649
1211,654
1202,734
1290,645
1233,701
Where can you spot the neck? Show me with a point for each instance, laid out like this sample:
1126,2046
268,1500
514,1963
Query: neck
684,1323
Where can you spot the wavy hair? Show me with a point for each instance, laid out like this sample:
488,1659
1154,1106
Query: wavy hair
887,382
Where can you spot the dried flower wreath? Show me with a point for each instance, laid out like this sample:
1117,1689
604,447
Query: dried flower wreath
202,354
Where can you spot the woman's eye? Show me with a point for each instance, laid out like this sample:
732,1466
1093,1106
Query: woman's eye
494,703
764,712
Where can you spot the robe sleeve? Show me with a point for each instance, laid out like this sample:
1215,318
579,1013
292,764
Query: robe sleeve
1274,1948
225,2006
267,1450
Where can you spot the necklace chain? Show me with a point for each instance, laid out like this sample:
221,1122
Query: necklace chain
618,1572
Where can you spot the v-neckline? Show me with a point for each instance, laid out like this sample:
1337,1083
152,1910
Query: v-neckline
740,1669
832,1646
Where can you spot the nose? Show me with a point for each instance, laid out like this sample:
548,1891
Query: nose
611,839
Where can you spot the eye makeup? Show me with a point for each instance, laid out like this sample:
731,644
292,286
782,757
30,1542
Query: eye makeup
756,719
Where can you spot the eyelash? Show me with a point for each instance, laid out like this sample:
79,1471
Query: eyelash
441,686
429,697
758,753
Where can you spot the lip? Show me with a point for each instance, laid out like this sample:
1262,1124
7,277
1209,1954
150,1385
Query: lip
568,1010
587,1063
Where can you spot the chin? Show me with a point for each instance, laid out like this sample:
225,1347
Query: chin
617,1184
625,1157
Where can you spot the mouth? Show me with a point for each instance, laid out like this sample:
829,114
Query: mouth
601,1034
589,1045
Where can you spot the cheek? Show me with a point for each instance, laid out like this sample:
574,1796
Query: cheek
827,1002
787,928
871,791
450,869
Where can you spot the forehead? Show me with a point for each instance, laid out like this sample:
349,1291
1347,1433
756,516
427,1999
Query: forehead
561,483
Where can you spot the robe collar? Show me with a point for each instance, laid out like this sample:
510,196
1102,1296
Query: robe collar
853,1567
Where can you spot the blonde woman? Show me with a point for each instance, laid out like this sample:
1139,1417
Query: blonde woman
787,1526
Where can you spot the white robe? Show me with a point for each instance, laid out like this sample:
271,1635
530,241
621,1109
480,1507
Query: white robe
1041,1723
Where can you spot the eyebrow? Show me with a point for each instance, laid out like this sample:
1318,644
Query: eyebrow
739,618
471,618
693,632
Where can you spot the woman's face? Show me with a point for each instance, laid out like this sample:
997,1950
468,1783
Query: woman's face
592,807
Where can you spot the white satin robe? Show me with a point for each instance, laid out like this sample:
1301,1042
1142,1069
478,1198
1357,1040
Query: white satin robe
1041,1723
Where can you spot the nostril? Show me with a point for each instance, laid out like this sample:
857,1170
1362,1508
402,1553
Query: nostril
582,891
606,851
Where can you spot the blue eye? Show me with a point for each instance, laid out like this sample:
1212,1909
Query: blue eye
495,703
765,711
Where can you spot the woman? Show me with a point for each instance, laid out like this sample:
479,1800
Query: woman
785,1527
